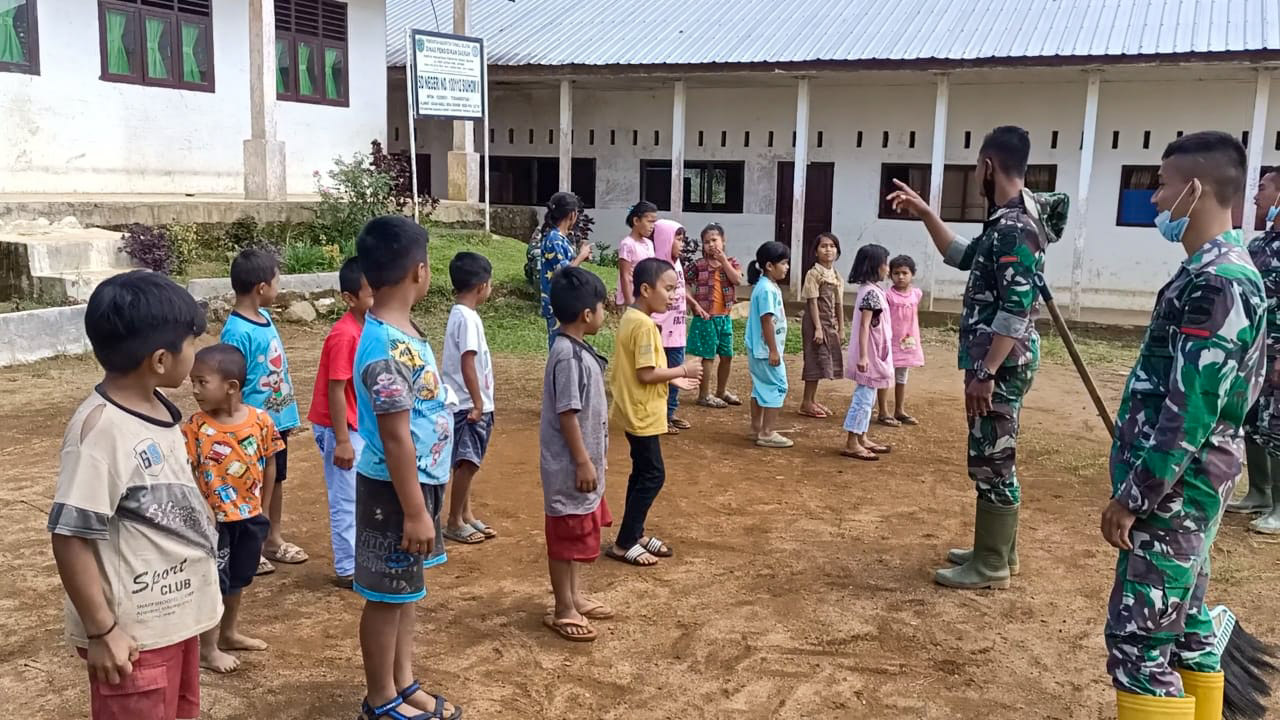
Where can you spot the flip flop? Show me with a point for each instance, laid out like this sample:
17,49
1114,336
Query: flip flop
632,556
881,449
264,567
288,553
558,627
488,532
655,547
889,422
809,413
679,423
464,534
859,456
907,420
672,429
712,401
731,399
599,611
775,441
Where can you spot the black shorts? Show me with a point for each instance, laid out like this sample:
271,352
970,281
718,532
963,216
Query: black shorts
282,459
239,548
471,440
384,572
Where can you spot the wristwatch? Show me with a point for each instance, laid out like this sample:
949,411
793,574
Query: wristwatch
982,374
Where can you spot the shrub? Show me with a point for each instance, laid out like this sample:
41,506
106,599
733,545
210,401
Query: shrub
303,257
189,243
149,247
604,256
358,190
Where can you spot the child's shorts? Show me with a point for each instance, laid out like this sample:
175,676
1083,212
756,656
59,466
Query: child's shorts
165,683
768,383
711,337
239,549
471,439
384,572
900,375
576,538
282,458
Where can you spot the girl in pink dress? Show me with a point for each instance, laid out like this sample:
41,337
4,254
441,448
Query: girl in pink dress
636,246
908,352
870,360
668,243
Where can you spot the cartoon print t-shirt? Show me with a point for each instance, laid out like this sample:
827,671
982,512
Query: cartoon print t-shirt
230,461
397,372
267,386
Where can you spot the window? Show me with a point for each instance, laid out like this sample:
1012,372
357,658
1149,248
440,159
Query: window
311,52
709,186
533,180
962,199
168,43
1137,186
19,51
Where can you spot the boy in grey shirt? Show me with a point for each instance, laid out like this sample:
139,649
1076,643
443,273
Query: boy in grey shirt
574,436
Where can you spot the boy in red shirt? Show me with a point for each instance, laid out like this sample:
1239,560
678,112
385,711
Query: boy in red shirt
333,418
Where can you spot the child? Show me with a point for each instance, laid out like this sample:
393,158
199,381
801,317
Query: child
333,418
406,426
823,293
870,362
556,251
255,277
636,245
908,352
574,437
468,371
120,560
668,243
766,337
639,383
232,448
713,280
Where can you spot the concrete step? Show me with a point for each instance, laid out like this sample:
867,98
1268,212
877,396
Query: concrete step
85,249
75,286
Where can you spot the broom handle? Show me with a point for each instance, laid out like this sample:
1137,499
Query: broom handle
1065,334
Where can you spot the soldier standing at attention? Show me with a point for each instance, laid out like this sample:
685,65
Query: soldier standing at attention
999,345
1179,442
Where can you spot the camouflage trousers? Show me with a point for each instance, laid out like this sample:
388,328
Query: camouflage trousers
1156,618
1262,424
993,438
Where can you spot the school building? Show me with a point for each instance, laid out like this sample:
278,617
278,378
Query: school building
707,109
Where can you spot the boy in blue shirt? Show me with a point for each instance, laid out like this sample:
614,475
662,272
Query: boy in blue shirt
406,423
255,277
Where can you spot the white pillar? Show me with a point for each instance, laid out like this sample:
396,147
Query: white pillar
1080,203
1261,96
798,186
677,151
463,160
937,164
566,135
264,165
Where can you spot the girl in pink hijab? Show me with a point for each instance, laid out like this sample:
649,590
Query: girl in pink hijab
668,242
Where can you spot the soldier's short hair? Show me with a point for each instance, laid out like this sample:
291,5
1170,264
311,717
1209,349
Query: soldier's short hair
1009,147
1216,158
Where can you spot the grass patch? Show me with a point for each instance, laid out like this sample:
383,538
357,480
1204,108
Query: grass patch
1111,353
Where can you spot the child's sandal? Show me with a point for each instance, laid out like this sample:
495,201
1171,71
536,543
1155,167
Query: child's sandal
907,420
438,713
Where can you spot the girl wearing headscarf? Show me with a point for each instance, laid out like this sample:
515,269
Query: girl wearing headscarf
668,243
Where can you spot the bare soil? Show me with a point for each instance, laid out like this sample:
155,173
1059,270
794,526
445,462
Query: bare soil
801,587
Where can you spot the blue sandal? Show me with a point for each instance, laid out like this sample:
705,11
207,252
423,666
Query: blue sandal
438,713
389,711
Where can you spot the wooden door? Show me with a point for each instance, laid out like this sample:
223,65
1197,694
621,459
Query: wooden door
819,185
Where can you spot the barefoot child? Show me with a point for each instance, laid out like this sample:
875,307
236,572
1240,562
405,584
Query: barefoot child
232,448
401,475
639,381
468,371
823,325
713,283
908,352
668,243
574,437
870,362
333,418
255,277
635,246
123,450
766,337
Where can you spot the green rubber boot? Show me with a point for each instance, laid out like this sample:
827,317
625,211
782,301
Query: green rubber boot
1269,523
960,556
994,530
1258,497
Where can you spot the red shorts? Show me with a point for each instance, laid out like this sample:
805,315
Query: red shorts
164,685
576,538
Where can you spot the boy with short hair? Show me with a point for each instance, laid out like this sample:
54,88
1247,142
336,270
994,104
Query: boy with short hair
333,418
132,536
232,449
407,426
639,382
255,277
573,438
468,371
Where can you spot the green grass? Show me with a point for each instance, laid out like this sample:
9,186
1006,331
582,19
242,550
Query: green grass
1097,352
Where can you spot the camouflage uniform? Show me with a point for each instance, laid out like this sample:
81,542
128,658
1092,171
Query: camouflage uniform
1175,461
1263,424
1001,299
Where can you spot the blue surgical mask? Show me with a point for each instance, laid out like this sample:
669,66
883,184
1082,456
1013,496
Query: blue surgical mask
1171,229
1272,214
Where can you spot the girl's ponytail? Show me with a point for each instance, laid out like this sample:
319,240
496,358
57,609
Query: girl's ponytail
753,272
770,252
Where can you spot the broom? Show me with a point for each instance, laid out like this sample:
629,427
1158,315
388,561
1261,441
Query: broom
1246,661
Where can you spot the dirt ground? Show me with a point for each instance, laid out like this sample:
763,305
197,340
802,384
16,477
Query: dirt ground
801,586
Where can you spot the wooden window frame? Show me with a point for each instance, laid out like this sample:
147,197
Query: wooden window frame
735,192
32,67
175,18
581,167
884,212
286,31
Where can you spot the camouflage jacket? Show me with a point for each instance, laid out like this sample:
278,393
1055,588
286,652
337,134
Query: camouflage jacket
1198,373
1000,298
1265,252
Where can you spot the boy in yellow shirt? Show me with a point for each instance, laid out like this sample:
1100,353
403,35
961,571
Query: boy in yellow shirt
639,385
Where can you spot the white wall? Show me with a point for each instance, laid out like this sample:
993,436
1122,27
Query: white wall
67,131
1123,266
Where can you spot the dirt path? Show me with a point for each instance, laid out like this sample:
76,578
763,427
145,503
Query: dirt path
801,588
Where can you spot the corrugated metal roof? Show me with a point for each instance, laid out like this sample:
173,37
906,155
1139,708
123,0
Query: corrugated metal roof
696,32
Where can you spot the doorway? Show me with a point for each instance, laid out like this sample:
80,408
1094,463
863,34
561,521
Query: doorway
819,182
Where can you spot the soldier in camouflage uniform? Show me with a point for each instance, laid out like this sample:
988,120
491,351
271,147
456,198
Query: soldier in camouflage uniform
999,346
1262,426
1179,441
